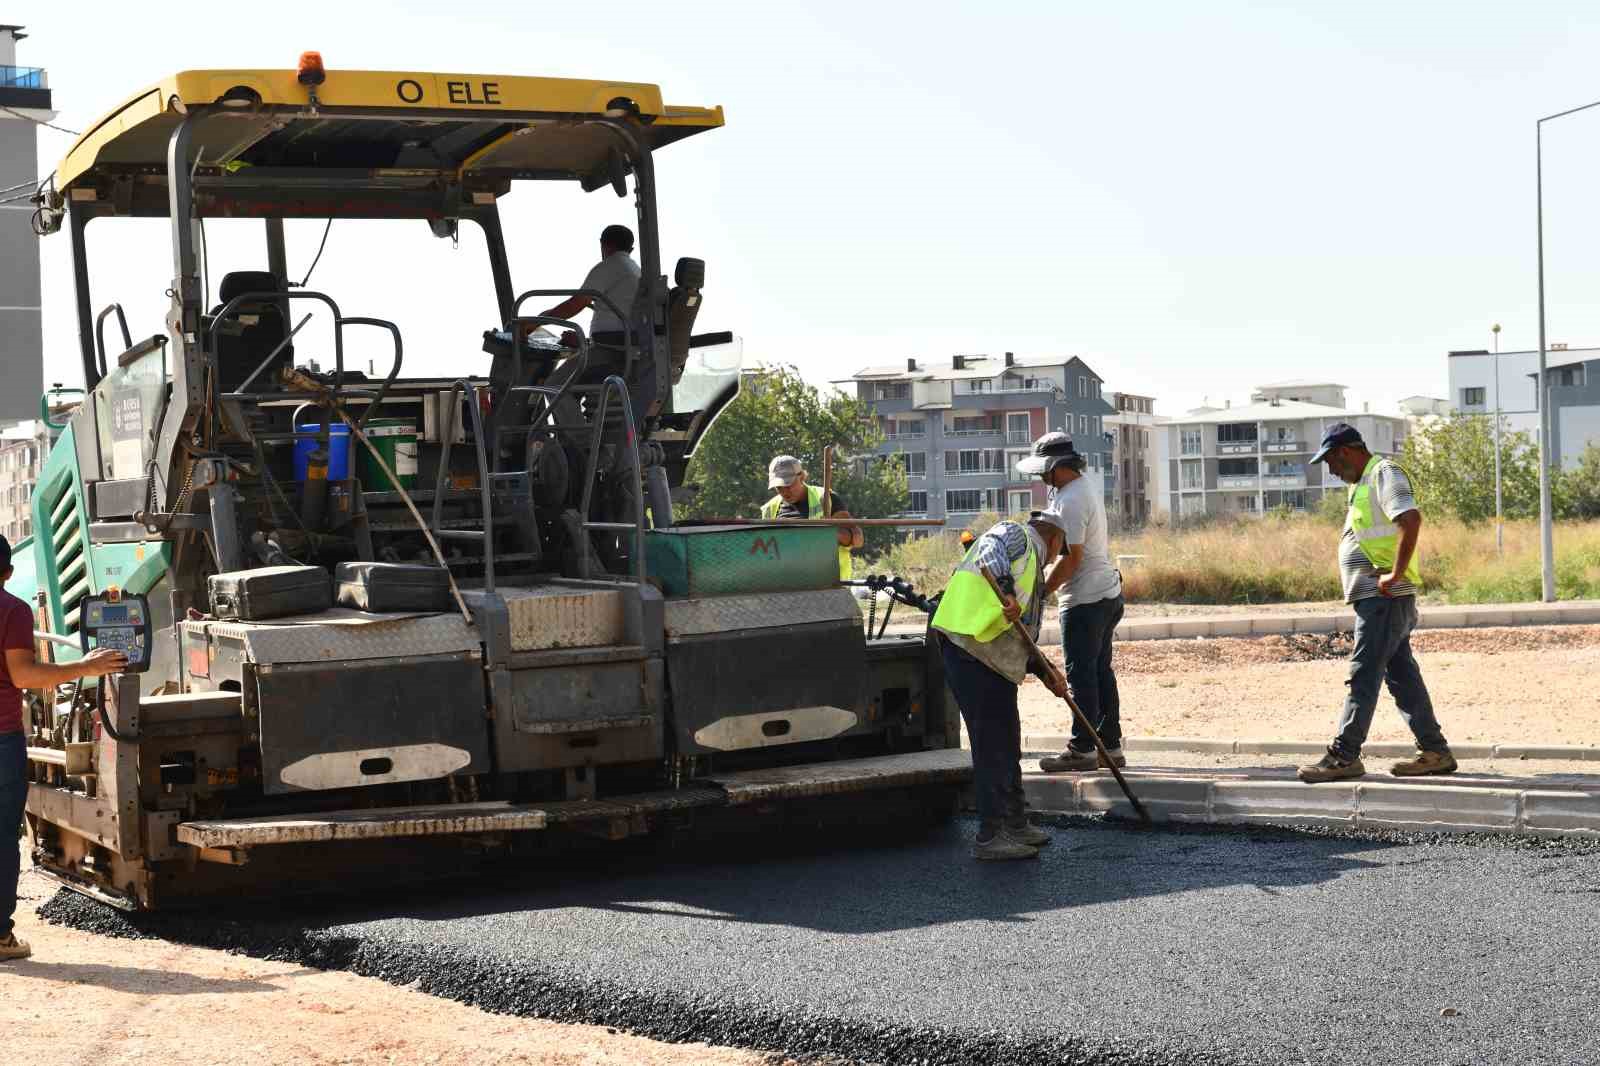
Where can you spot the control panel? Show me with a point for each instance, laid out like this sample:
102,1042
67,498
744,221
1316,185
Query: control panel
117,620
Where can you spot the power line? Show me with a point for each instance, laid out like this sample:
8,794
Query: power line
38,121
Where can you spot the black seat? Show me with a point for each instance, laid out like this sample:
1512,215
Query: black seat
683,304
252,330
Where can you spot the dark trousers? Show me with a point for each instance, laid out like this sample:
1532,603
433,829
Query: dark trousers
988,705
1087,631
13,795
1383,654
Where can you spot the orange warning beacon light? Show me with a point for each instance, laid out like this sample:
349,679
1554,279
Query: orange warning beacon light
310,70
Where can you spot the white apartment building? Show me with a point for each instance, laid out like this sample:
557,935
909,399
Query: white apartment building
1138,458
1255,458
23,449
1478,378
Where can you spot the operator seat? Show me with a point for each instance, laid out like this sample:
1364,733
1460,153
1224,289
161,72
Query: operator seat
683,304
252,330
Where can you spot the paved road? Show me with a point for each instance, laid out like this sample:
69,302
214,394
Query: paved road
1162,946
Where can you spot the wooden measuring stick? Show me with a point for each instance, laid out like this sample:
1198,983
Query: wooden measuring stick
1061,682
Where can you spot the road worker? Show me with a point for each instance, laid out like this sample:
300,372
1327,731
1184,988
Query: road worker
797,499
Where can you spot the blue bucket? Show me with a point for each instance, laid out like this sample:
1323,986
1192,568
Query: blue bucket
338,451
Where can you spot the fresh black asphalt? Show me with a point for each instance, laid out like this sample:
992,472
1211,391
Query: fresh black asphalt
1118,946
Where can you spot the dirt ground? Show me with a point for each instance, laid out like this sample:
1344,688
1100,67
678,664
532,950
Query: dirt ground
1525,685
83,999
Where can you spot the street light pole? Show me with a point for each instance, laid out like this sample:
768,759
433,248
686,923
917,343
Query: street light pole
1499,509
1546,536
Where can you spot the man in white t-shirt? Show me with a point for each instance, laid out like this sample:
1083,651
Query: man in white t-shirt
1091,601
617,277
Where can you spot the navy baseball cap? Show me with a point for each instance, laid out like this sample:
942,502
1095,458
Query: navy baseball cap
1339,435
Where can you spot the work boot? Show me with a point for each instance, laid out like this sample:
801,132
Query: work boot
1020,832
1331,768
1425,763
1117,759
1001,848
13,948
1070,761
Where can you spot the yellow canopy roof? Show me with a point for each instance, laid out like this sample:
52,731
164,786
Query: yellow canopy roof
461,124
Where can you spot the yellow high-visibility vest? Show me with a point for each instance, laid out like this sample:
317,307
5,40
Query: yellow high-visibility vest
1378,537
970,607
814,499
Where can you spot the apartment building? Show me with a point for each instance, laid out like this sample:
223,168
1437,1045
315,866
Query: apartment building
1139,457
24,101
1254,458
22,453
1573,380
1481,380
961,427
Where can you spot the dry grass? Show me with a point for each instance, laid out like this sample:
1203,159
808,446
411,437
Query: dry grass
1292,558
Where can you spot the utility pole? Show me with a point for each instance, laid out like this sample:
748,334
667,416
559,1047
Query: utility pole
1499,511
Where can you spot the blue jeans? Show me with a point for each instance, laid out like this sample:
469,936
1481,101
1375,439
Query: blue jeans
1383,654
1087,631
13,796
988,705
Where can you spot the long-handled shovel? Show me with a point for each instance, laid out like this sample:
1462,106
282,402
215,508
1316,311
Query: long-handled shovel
1061,683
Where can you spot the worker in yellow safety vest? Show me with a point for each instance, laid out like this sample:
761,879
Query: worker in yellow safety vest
797,499
1378,569
985,659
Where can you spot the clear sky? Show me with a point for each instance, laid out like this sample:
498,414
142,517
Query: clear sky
1194,197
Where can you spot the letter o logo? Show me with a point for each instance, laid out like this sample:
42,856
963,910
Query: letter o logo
409,91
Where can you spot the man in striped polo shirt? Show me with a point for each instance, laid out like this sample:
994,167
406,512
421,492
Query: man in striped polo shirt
1377,566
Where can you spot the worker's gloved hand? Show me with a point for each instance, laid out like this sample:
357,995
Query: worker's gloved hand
1010,608
569,338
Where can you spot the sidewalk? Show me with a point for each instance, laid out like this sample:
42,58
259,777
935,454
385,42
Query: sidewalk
1267,621
1564,805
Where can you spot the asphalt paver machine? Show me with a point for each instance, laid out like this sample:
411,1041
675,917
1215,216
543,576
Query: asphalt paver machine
383,622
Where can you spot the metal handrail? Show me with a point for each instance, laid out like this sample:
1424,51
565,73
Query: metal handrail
100,333
459,388
304,294
613,382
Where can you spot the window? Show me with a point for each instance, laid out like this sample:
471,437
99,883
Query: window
980,385
907,427
1190,440
918,504
1021,502
1473,397
1012,459
915,463
980,424
1236,468
1247,504
1144,438
963,501
1094,460
975,461
1083,423
1018,428
1236,433
1189,506
896,390
1083,386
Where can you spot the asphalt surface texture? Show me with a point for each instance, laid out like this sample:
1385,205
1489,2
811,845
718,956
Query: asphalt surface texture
1119,946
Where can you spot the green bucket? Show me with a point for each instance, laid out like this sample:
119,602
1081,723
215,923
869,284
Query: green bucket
396,440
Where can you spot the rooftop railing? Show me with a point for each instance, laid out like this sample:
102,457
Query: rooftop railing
22,77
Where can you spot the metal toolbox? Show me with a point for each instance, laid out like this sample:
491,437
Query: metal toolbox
270,592
729,560
382,587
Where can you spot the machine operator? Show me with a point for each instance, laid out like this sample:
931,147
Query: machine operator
797,499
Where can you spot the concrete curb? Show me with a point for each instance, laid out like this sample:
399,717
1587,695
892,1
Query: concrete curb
1375,749
1190,627
1347,804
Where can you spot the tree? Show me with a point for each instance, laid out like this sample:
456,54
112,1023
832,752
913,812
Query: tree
1580,486
1451,463
778,413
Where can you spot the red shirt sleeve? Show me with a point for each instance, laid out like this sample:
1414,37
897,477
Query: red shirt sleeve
16,625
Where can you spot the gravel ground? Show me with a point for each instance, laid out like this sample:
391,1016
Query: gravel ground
83,999
1118,946
1523,684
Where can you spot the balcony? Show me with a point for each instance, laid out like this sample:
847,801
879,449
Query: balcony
22,78
1239,481
1013,437
915,434
1286,446
992,431
1237,448
1283,481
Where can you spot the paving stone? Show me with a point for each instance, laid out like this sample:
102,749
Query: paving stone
1441,618
1540,751
1288,802
1056,793
1323,623
1156,629
1551,812
1446,807
1279,747
1264,624
1204,744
